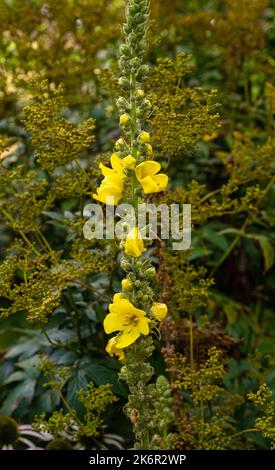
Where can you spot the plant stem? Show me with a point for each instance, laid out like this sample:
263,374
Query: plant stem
191,341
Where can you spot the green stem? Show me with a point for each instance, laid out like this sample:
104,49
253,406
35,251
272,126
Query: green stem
48,247
191,342
25,238
133,136
243,432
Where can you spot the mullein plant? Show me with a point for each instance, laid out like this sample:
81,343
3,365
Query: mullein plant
133,174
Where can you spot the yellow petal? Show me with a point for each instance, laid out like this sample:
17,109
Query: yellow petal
121,307
161,180
105,170
147,168
125,339
113,322
143,326
149,185
117,297
108,195
134,245
116,163
112,348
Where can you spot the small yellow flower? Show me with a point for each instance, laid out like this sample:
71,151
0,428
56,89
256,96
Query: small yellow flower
146,173
126,284
145,137
129,162
127,319
159,310
134,244
111,189
112,348
124,118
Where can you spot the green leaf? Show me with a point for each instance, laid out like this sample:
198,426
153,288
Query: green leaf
266,247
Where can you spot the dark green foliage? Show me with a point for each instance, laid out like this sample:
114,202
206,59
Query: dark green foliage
58,120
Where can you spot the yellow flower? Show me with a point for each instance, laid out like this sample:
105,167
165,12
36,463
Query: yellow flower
145,137
111,189
126,284
134,244
151,182
112,348
159,310
116,164
126,318
124,118
129,162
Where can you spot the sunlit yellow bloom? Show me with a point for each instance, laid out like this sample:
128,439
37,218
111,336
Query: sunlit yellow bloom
129,162
146,173
159,310
127,319
126,284
134,245
112,348
111,189
124,118
145,137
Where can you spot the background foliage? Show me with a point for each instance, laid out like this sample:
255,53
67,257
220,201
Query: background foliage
213,92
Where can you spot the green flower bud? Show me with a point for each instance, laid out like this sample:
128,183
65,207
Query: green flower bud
150,272
126,266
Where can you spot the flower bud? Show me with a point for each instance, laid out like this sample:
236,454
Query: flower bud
149,149
126,266
144,137
124,83
123,103
159,310
119,143
139,93
129,162
124,118
150,272
126,284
